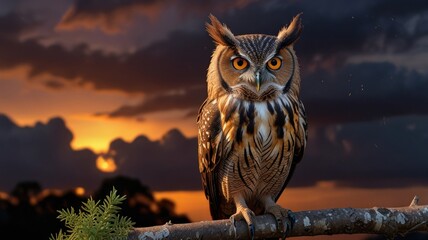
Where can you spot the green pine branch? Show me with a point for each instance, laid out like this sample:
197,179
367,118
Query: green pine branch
95,221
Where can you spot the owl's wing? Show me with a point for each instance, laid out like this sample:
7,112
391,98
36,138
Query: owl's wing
299,145
212,148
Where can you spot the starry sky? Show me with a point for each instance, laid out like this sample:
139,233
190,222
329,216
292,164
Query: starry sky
95,88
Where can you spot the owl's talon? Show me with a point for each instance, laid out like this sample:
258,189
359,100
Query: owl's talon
291,220
289,223
252,231
282,214
248,216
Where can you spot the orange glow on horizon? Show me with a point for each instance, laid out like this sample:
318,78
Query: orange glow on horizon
106,164
195,205
96,132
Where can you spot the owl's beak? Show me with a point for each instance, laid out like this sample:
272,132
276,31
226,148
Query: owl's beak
258,83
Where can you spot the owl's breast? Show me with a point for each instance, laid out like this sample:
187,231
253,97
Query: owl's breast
273,139
264,121
263,138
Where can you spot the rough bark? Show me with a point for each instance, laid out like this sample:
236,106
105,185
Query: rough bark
387,221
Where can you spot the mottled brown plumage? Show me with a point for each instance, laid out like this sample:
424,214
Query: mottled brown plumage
252,126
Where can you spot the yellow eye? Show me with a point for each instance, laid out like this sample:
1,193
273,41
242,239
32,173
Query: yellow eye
239,63
274,63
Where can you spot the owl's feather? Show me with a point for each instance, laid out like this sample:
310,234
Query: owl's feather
212,148
220,33
288,35
299,147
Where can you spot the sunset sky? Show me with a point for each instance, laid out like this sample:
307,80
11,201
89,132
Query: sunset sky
119,83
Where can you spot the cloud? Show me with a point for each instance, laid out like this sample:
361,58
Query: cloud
396,8
386,153
111,16
168,72
13,24
164,66
185,99
43,153
364,92
166,164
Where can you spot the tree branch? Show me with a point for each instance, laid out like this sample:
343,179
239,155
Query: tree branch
387,221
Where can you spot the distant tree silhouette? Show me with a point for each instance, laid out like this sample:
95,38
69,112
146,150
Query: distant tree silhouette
141,205
124,186
24,191
31,213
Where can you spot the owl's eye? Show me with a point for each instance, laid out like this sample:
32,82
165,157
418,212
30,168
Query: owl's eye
274,63
239,63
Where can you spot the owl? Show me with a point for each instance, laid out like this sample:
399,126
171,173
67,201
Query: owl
252,128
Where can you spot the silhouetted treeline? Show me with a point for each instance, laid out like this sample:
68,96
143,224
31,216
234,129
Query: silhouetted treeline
30,212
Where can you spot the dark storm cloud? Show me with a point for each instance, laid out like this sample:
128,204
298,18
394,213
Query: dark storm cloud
155,69
42,153
186,99
13,24
395,8
364,92
386,153
110,14
332,34
54,84
91,7
167,164
106,14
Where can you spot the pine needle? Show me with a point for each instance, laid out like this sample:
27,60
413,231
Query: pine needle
95,221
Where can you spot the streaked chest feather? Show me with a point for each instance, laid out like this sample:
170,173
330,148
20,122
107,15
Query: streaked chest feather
262,136
262,128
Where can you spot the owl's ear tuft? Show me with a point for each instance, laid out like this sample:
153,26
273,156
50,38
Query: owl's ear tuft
288,35
220,33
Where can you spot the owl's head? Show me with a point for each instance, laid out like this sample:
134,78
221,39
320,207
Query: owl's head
253,67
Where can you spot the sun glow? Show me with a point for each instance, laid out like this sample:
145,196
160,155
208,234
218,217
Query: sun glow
106,164
79,191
